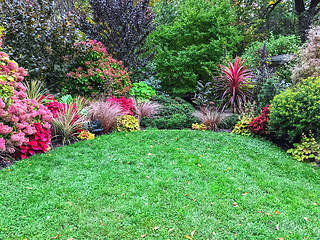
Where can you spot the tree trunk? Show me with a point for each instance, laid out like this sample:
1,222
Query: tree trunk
305,17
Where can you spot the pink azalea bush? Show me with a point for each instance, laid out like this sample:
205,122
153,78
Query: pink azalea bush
23,121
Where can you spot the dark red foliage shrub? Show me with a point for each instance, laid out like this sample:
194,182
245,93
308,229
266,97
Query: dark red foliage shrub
259,125
125,103
38,143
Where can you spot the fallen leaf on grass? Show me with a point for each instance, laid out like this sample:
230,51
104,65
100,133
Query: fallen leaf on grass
187,237
56,236
276,212
245,193
102,223
188,182
235,204
70,238
306,219
280,238
268,214
277,227
28,187
236,234
144,235
192,233
171,229
155,228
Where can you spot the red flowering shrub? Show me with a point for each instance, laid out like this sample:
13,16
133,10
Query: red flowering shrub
125,103
259,125
38,143
18,114
96,72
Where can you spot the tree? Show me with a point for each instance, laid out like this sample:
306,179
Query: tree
305,10
195,40
123,27
37,38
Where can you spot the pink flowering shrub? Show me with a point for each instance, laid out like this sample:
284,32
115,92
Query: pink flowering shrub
259,125
20,117
126,104
38,142
95,72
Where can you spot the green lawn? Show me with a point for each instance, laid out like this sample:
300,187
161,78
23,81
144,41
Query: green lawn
164,184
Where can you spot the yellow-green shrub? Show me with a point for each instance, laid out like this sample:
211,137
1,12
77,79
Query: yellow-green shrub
295,111
307,150
127,123
243,127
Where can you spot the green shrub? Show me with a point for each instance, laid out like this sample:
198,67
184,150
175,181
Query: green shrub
307,150
243,127
281,45
295,111
229,121
142,91
127,123
174,113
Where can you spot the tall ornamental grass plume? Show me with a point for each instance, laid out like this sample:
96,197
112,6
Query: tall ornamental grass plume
24,123
234,84
209,116
106,113
145,109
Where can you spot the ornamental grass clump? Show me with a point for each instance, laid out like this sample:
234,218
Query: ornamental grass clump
145,109
106,113
209,116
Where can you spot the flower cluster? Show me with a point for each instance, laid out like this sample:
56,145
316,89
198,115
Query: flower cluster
38,143
96,72
86,135
125,103
259,125
197,126
19,116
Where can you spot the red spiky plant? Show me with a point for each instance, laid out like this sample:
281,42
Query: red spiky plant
235,84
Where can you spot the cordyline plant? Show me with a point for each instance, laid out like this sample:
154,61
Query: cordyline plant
235,84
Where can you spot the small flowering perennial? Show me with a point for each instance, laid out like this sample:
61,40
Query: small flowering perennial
86,135
22,120
197,126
